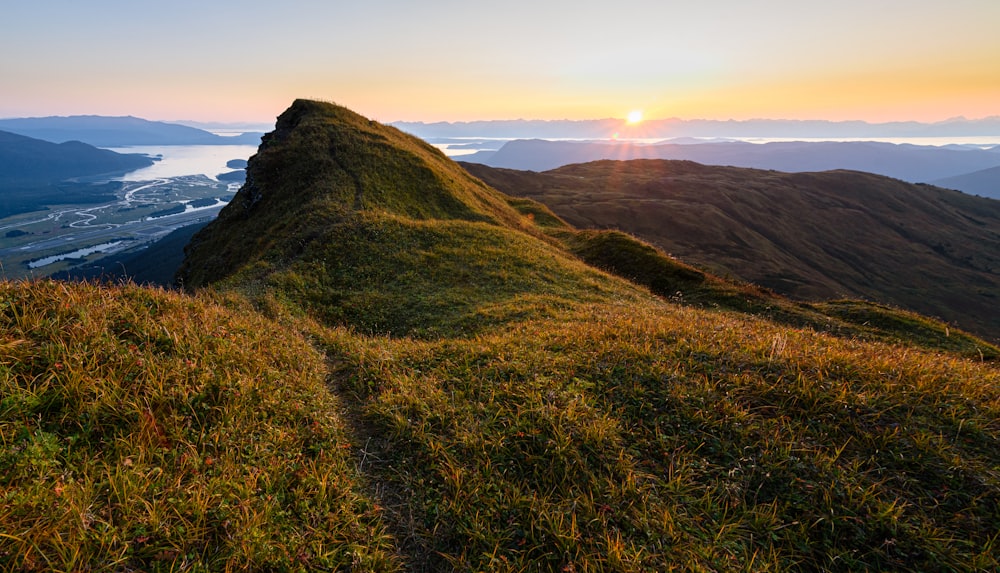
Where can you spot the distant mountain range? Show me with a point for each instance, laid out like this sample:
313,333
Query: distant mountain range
811,236
911,163
985,182
33,172
674,127
29,160
104,131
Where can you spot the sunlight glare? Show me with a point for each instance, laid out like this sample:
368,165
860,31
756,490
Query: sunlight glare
634,117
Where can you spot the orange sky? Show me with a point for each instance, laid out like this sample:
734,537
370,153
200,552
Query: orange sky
440,60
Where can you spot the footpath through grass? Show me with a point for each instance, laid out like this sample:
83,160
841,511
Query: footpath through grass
146,430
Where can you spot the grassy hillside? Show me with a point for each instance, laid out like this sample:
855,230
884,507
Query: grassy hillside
452,386
328,163
812,236
643,264
356,223
142,429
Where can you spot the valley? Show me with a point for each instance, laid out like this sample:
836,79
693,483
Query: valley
43,242
134,209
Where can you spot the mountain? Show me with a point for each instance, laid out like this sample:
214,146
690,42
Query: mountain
811,236
28,160
985,182
33,172
332,197
104,131
387,365
908,162
675,127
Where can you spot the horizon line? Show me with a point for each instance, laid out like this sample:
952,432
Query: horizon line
955,119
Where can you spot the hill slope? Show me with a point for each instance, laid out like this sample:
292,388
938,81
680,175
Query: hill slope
361,224
562,419
908,162
812,236
143,428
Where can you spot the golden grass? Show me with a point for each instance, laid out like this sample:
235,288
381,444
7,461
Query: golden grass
142,428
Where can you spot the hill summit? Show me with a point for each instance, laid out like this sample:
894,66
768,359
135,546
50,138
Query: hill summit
386,365
358,223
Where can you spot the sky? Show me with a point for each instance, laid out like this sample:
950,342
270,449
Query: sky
445,60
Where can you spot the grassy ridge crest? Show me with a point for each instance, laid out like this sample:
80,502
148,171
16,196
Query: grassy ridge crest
323,157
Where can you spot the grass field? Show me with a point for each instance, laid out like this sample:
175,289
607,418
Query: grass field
375,384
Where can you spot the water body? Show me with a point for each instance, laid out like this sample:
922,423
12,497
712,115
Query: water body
185,176
972,141
181,160
77,254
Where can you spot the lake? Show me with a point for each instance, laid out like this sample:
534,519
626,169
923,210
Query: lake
181,160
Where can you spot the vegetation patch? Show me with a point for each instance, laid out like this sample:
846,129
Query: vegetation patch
654,437
148,430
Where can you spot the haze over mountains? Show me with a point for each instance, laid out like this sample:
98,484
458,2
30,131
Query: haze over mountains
102,131
33,172
29,160
529,145
670,128
917,164
985,182
952,166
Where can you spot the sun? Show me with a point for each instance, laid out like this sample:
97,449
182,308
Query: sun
633,117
